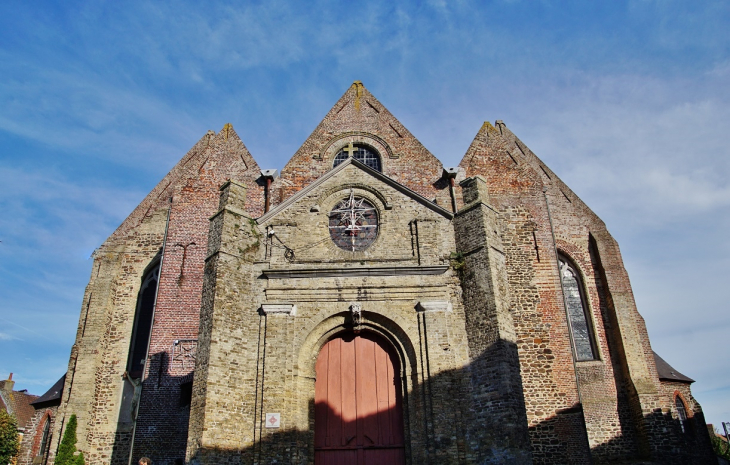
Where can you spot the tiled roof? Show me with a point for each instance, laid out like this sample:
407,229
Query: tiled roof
667,373
18,403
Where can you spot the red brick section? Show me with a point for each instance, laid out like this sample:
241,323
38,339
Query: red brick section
359,115
39,423
619,392
162,422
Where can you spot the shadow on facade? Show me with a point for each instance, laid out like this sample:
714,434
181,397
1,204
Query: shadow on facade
163,419
297,447
685,442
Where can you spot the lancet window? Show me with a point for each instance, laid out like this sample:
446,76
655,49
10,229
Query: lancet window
578,318
143,322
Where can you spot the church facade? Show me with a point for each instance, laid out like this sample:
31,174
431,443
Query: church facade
369,305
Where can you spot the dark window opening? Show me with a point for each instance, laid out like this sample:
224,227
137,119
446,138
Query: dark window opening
578,318
142,323
186,394
681,412
360,153
43,449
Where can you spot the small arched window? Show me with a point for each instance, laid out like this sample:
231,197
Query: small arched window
361,153
45,439
681,412
578,318
143,322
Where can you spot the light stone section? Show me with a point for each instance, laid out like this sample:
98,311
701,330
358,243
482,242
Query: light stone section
251,362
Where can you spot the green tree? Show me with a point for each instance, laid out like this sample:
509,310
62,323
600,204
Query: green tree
67,448
719,446
9,444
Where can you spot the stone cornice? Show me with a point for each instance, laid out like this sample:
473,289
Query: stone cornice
354,272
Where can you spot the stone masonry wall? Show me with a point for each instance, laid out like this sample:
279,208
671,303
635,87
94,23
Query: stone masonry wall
96,389
498,424
258,362
551,397
689,442
617,393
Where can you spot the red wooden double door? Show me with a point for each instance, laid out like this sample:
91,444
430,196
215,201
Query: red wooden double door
358,403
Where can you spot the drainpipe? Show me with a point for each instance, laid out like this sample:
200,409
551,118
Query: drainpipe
269,176
138,384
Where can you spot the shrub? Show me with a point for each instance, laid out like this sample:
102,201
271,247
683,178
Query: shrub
9,444
67,448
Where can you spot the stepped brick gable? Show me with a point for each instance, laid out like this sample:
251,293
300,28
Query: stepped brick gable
368,306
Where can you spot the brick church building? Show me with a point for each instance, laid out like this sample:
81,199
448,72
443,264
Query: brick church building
367,305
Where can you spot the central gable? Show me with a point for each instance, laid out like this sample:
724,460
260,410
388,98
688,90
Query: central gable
359,120
304,230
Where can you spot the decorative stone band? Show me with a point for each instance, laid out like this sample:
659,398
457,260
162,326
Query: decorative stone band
434,306
279,309
360,271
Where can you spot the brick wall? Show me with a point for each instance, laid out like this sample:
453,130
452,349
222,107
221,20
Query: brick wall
30,447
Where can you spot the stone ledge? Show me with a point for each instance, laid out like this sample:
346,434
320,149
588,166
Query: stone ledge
354,272
279,309
434,306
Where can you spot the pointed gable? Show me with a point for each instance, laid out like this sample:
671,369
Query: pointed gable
490,155
213,159
411,230
359,118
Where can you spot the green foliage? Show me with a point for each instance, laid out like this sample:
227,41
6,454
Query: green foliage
67,449
720,447
457,261
9,444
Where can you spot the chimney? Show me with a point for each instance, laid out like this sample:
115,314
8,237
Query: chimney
9,383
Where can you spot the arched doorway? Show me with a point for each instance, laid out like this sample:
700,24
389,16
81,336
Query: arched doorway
358,413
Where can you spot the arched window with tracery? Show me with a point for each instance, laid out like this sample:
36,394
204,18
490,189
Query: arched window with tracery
361,153
579,320
143,322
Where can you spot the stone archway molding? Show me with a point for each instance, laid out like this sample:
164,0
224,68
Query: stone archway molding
356,137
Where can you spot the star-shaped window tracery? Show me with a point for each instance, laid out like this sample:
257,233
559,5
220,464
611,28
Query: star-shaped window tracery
353,223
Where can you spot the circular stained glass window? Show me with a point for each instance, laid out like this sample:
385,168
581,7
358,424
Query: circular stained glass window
360,153
353,223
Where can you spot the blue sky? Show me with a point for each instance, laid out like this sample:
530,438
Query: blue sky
627,101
